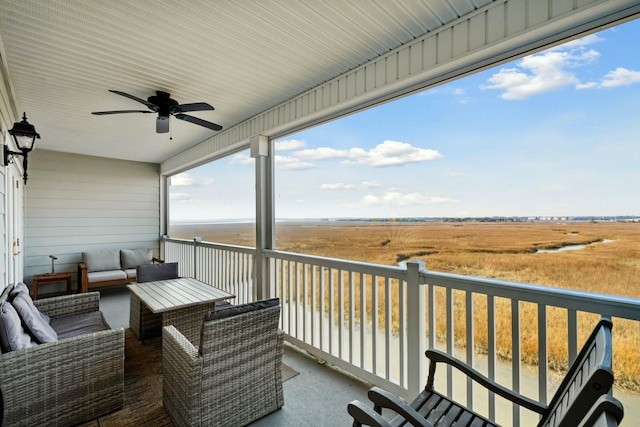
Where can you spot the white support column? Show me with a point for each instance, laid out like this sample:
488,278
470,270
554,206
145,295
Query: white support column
265,216
416,330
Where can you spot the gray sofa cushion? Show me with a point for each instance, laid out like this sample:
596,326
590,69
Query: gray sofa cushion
102,260
162,271
100,276
32,319
12,335
131,258
79,324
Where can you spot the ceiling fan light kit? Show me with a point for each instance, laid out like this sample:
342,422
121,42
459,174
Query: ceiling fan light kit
162,104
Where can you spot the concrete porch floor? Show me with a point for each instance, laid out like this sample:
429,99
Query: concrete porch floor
317,396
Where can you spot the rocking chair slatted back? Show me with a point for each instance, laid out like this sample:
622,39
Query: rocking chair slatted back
588,379
590,376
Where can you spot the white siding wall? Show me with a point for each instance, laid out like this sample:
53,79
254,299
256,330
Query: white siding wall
77,203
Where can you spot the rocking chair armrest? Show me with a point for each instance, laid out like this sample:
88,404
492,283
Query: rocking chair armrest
363,415
438,356
383,399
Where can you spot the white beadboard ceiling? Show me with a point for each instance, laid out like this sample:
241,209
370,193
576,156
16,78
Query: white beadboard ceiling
60,58
242,57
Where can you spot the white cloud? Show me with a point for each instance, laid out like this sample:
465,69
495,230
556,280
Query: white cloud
289,145
343,186
396,198
618,77
291,163
337,186
540,73
370,184
181,180
621,77
322,153
393,153
389,153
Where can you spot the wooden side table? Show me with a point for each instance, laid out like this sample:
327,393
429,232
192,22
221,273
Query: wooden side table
41,279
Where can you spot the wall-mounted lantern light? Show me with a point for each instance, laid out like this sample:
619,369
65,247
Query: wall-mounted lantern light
24,134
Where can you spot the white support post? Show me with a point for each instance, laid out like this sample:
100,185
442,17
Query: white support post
265,216
416,330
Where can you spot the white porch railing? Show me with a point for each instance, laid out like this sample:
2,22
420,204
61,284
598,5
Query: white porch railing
230,268
327,303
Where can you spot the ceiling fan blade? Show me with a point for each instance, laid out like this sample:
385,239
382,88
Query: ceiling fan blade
198,121
162,124
101,113
153,107
196,106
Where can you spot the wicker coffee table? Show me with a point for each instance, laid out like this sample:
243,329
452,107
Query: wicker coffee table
181,302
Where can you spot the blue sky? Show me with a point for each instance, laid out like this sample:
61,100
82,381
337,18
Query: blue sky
555,133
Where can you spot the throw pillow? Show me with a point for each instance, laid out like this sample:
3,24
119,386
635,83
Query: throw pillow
12,335
152,272
33,321
131,258
21,288
18,288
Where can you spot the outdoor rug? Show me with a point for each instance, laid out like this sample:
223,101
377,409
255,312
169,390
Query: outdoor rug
143,386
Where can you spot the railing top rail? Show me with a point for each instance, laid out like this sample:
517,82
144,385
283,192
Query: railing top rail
221,246
341,264
608,305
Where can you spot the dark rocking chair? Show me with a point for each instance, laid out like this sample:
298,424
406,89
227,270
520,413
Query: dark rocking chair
577,398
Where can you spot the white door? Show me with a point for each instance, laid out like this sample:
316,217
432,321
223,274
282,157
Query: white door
15,214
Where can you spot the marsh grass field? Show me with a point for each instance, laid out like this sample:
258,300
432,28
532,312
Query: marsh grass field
608,264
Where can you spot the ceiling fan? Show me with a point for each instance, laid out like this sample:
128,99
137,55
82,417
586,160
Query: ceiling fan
162,104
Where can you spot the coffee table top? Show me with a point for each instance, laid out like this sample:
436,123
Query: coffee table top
172,294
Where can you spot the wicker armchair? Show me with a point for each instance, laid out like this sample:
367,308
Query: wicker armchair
235,376
66,382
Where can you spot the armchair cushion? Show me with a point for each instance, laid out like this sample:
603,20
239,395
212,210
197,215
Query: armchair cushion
79,324
102,260
131,258
224,311
33,320
12,335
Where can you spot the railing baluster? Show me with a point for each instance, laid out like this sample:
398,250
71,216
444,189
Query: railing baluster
388,324
470,343
321,320
341,324
374,323
363,319
331,308
515,356
491,350
352,314
307,310
572,335
450,337
543,356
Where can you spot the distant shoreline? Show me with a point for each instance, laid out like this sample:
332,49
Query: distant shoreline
586,218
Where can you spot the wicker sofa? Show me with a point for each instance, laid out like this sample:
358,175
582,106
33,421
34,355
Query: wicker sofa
111,267
233,376
76,378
